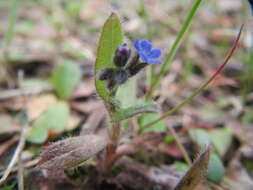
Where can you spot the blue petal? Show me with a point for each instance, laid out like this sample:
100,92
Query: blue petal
143,57
155,53
145,46
137,45
154,61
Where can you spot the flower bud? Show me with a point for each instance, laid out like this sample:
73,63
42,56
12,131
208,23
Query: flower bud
121,56
121,76
106,73
111,83
134,69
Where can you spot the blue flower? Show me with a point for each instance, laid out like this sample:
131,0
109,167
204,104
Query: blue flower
146,52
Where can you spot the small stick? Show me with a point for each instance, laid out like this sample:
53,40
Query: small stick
179,143
20,175
16,155
28,164
23,92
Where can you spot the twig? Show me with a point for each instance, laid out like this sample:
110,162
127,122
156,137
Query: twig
5,146
20,167
25,165
16,155
217,187
179,143
20,175
23,92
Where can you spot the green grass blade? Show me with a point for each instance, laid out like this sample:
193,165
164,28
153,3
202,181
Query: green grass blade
169,57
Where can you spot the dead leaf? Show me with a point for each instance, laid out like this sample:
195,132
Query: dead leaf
70,152
196,172
39,104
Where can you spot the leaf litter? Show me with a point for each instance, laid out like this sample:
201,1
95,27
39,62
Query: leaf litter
49,35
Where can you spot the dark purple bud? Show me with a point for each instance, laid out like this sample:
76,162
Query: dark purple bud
134,69
121,76
134,61
106,74
121,56
111,83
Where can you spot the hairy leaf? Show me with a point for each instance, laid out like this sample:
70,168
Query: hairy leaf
110,39
196,172
71,152
132,111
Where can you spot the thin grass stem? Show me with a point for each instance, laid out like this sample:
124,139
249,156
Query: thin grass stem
170,56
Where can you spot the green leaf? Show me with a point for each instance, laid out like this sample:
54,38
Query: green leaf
110,39
9,187
216,169
221,139
200,136
55,117
64,79
157,127
248,117
180,166
38,134
132,111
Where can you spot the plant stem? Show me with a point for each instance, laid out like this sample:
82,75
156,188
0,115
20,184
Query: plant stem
111,149
170,56
198,91
248,64
179,143
113,134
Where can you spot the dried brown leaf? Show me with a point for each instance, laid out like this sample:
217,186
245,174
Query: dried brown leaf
70,152
196,172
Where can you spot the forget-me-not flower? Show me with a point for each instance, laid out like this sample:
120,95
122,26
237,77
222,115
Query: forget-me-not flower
146,52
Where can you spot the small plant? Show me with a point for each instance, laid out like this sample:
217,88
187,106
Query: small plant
115,66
